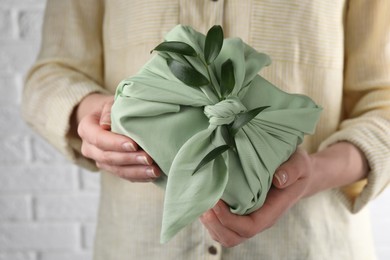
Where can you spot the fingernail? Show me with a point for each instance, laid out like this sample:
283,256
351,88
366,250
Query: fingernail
142,160
281,176
105,120
129,147
150,172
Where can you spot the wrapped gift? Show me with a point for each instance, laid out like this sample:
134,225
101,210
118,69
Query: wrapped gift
216,128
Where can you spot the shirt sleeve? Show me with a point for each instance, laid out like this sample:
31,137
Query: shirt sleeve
366,121
69,67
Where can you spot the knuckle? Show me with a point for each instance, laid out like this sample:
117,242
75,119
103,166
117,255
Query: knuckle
269,224
104,167
120,172
85,151
97,140
128,174
230,243
225,222
80,130
248,232
106,157
208,217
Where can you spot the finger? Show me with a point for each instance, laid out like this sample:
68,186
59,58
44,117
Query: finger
239,224
218,232
293,169
105,117
277,203
90,131
135,173
115,158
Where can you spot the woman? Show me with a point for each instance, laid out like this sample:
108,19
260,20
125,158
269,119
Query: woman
337,52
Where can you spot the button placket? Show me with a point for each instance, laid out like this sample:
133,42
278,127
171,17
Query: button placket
218,12
201,15
214,251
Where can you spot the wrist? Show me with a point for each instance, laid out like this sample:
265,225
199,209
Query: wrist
92,103
338,165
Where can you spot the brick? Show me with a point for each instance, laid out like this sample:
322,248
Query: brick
19,80
23,3
18,56
9,92
13,149
5,24
42,151
88,235
66,256
90,181
30,24
11,122
38,178
34,236
15,207
17,256
80,207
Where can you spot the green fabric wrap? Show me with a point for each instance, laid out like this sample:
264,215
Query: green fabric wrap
178,125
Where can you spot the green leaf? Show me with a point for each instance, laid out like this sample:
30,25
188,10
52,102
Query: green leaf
176,47
243,118
187,74
213,44
227,137
211,156
227,77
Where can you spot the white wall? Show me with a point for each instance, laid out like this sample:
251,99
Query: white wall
47,206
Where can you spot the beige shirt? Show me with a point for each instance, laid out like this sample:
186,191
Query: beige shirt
337,52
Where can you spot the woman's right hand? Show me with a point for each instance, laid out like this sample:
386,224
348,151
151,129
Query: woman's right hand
114,153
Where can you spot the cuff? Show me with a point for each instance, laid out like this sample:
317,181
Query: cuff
55,127
371,137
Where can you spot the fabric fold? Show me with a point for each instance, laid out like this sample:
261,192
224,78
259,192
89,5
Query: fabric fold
178,125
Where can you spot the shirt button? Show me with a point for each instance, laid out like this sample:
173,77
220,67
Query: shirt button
213,250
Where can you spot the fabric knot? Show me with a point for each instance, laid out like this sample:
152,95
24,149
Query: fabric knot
224,112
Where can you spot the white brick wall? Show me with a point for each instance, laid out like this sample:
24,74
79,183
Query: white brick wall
48,206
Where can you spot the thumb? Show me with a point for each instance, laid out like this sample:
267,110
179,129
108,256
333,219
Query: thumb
290,171
280,178
105,116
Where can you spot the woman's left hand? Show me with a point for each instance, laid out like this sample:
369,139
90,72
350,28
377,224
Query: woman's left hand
302,175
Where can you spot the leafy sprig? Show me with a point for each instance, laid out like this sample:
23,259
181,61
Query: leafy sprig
185,72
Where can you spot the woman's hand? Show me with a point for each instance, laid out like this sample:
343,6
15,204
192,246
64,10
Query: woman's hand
112,152
302,175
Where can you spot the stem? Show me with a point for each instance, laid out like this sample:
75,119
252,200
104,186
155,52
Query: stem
214,89
189,63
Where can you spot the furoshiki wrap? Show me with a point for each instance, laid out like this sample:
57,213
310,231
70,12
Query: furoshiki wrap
179,125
